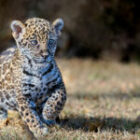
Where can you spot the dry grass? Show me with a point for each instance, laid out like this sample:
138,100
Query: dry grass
103,104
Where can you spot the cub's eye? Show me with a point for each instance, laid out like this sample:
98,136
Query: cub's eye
51,42
34,42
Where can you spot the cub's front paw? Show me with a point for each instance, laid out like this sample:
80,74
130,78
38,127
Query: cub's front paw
40,132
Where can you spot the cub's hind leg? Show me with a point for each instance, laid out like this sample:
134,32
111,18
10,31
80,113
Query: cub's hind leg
3,113
53,106
7,102
3,108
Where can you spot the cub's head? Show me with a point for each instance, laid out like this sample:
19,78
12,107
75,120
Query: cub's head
37,38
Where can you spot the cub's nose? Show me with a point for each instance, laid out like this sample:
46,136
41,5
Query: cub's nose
43,54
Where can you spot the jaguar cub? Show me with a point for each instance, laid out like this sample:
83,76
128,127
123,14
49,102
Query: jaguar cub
30,81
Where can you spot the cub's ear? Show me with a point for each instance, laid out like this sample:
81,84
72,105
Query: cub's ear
18,29
58,24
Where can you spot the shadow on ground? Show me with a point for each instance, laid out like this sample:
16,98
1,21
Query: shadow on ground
104,124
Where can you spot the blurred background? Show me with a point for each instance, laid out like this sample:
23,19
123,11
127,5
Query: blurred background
98,54
101,29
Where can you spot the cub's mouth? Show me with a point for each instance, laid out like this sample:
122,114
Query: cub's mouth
40,59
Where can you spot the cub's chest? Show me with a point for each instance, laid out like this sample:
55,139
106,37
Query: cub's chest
36,82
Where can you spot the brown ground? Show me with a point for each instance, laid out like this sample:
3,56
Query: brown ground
103,103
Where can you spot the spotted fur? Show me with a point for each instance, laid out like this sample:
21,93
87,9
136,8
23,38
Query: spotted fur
30,81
